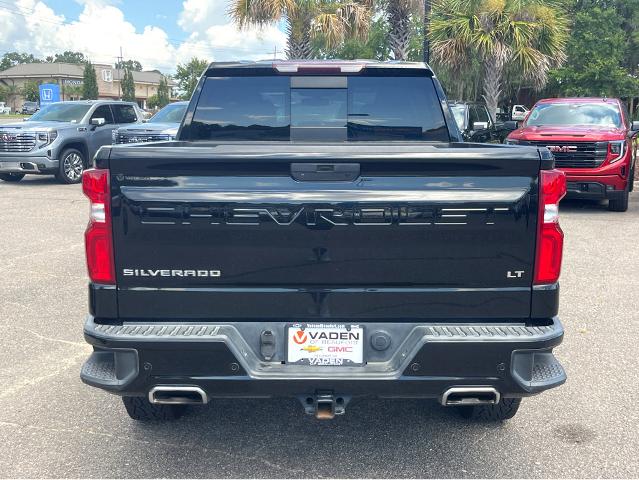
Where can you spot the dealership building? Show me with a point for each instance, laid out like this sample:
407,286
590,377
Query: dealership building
70,76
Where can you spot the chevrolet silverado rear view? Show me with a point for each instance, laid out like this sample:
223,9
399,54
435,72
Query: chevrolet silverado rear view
317,230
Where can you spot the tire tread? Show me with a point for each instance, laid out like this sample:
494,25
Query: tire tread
621,204
504,410
139,408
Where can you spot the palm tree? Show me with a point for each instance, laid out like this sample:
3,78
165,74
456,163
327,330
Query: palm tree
72,91
529,34
331,20
428,6
399,14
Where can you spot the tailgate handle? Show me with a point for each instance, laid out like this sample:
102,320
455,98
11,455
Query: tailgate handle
325,172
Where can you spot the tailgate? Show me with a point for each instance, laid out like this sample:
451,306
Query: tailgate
355,232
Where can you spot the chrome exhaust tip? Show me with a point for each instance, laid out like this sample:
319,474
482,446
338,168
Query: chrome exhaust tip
470,396
177,395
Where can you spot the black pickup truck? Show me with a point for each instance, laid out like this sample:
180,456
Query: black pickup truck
318,230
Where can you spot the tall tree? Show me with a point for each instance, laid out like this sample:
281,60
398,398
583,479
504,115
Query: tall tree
11,59
153,102
602,53
31,91
377,44
332,21
72,91
374,47
132,65
68,57
90,83
128,87
628,11
530,34
163,97
164,93
188,74
400,14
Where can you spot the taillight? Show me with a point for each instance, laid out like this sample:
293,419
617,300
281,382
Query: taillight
550,238
97,237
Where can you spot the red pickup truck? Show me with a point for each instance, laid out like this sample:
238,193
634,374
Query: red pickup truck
593,141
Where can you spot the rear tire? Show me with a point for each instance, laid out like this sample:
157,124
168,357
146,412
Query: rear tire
11,177
139,408
620,204
504,410
72,164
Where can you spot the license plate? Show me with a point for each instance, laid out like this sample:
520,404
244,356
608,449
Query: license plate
329,345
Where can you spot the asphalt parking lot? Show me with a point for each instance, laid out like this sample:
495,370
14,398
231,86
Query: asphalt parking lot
51,425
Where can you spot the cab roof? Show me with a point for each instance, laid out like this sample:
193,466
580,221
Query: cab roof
97,102
579,100
319,67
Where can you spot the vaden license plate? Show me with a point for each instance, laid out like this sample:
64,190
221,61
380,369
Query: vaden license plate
330,345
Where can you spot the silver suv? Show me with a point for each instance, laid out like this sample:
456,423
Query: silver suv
160,127
62,138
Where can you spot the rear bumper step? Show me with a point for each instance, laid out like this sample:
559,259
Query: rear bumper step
421,361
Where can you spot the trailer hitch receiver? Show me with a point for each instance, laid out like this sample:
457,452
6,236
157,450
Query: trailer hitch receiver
324,405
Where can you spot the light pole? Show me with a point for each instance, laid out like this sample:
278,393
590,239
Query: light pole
427,10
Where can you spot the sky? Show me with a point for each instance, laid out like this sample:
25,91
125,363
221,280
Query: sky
158,33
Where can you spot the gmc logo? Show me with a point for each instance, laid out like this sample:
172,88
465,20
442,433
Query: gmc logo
340,349
7,137
562,148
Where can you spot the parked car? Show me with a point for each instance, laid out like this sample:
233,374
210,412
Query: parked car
503,115
162,126
4,110
476,125
593,141
29,108
61,139
518,113
317,231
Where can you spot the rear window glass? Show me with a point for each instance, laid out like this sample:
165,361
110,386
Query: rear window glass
394,108
243,108
370,108
318,107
